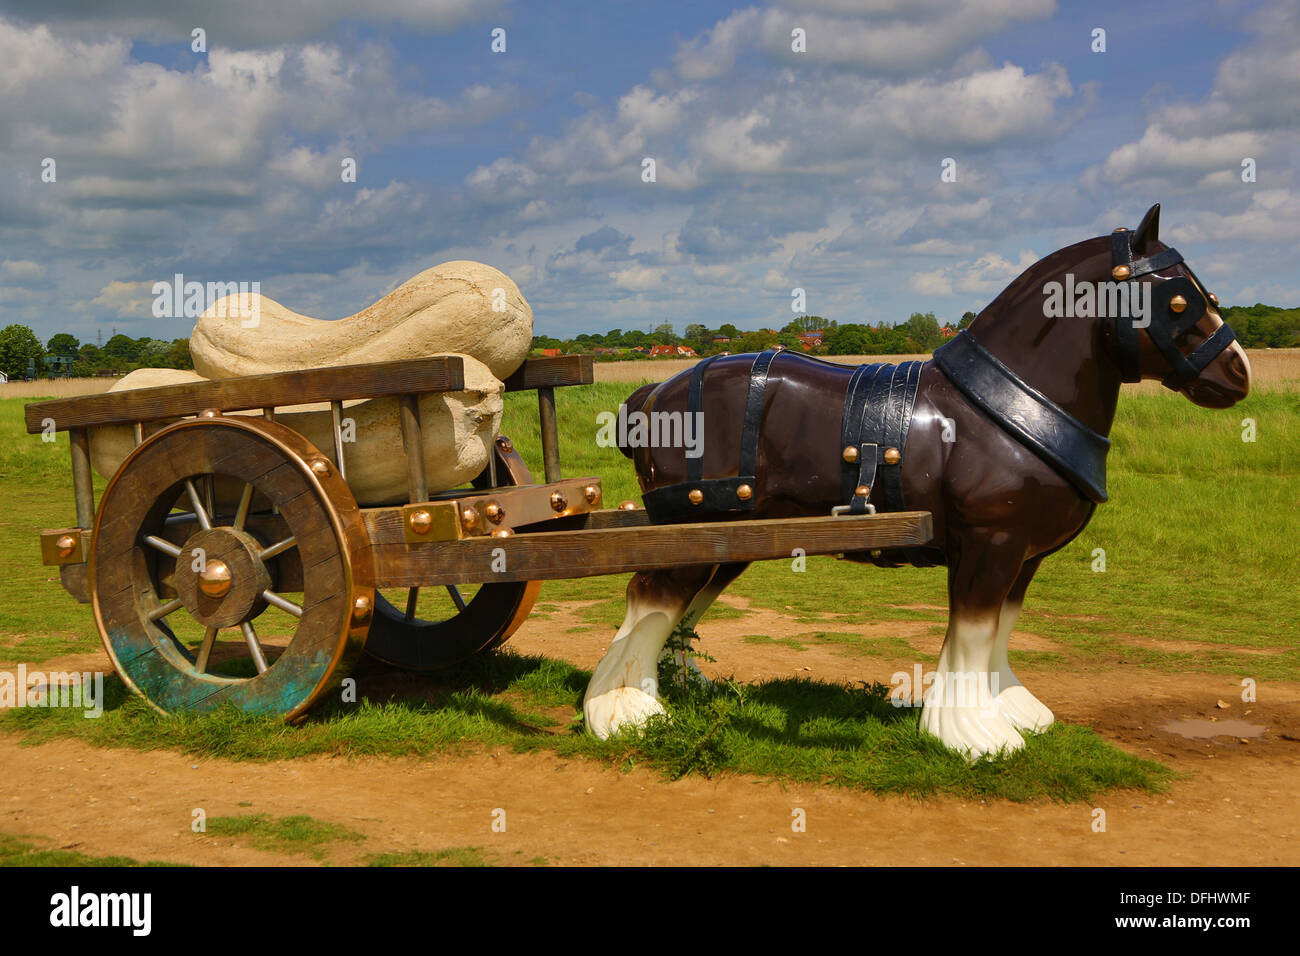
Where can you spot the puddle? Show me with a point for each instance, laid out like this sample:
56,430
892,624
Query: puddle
1198,728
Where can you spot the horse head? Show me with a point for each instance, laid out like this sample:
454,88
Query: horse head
1183,341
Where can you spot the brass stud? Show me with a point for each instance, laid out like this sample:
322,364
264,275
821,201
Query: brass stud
1214,298
1178,303
1120,273
696,496
893,456
361,609
862,491
494,512
320,467
744,492
65,545
502,533
420,521
1120,229
558,501
591,493
626,506
506,444
850,454
214,579
210,413
469,519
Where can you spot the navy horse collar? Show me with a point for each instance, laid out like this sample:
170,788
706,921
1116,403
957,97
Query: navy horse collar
1071,448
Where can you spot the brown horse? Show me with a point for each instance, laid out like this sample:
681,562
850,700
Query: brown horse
1005,448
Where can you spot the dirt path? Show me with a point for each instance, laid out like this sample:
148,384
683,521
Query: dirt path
1241,806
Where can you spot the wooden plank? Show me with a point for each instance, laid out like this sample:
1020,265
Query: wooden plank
441,373
552,372
549,555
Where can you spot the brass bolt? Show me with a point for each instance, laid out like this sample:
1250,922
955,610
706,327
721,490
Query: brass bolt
210,413
1120,273
420,521
558,501
1120,229
502,533
65,545
1214,298
862,491
469,519
320,467
850,454
696,496
494,512
744,492
361,609
592,494
1178,303
626,506
893,456
506,444
214,579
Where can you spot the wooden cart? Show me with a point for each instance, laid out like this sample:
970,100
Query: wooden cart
161,543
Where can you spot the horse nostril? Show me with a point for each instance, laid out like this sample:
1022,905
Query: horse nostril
1237,367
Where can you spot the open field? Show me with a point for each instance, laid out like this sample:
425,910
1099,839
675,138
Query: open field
1202,549
1269,367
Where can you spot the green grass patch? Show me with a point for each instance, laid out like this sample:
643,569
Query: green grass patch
299,834
18,851
451,856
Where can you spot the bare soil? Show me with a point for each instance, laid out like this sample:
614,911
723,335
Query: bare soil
1238,805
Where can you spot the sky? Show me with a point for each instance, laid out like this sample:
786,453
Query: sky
775,169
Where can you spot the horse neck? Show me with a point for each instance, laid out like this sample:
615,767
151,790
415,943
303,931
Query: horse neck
1064,358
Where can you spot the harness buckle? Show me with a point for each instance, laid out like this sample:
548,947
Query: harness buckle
839,511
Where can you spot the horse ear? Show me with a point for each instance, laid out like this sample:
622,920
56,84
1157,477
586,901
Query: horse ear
1147,230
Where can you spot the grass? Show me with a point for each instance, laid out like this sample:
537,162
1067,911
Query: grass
18,851
451,856
1201,542
299,834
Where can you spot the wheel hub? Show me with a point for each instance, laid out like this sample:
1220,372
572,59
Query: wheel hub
220,577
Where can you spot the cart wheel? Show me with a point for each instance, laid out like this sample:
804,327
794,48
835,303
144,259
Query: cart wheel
229,568
482,623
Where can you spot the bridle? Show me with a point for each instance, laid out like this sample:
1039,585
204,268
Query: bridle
1177,304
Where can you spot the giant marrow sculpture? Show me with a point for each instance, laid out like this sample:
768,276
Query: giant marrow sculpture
465,308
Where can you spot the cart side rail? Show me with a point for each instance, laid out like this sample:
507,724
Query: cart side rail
438,373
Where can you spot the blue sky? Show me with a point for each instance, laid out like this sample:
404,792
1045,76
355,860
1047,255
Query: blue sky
775,169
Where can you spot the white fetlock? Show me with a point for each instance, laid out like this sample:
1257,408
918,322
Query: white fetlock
968,722
620,707
1023,710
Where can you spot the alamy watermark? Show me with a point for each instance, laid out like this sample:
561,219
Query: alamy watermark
651,430
1086,300
56,689
179,299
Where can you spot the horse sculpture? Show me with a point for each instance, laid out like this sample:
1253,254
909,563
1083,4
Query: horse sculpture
1001,436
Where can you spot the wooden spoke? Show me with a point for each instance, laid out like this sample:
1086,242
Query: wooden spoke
241,513
278,548
254,646
455,596
205,649
162,610
200,513
163,545
270,597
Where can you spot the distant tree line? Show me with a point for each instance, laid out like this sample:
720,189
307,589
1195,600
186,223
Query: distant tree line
21,354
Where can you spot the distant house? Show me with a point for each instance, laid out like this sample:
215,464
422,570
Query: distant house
550,353
59,366
722,338
947,331
639,349
811,340
4,379
672,351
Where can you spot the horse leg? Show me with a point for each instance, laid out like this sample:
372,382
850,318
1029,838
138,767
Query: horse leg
960,706
1024,710
624,689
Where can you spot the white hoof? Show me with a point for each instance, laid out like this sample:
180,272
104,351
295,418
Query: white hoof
967,718
1024,710
621,707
